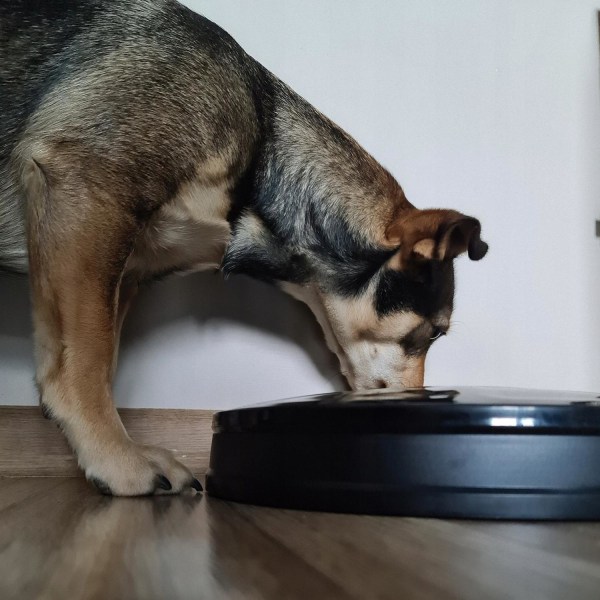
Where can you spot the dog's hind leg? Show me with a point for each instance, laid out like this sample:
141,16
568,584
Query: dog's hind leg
79,238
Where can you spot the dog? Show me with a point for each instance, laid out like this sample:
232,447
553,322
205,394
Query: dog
137,140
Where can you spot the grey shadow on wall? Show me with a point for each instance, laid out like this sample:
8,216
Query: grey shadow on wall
204,296
15,308
208,297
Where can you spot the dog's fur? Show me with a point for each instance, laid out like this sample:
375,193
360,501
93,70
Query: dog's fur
138,139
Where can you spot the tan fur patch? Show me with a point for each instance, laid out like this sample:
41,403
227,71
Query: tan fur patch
367,346
357,319
78,244
310,296
367,194
425,248
190,233
414,373
416,231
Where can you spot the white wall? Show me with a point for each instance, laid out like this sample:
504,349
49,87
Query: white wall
491,107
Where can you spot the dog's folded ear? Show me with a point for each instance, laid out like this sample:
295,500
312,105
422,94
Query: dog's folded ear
435,234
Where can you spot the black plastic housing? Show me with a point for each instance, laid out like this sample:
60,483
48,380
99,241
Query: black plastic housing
484,453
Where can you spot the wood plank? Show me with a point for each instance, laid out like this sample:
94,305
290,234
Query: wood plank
74,543
571,541
427,558
17,491
31,445
60,539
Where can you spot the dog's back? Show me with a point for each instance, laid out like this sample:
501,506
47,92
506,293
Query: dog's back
34,36
112,76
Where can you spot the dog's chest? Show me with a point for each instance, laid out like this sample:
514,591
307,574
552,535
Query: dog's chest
190,233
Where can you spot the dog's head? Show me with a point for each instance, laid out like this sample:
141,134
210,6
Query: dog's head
382,331
381,305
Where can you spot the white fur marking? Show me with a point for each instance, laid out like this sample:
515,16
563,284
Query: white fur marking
189,233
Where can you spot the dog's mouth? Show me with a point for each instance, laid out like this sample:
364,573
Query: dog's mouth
410,375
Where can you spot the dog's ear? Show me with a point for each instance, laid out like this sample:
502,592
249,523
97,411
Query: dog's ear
435,234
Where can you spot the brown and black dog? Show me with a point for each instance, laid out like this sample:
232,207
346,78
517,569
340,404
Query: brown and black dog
138,139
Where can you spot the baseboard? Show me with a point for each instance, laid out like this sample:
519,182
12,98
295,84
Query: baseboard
32,446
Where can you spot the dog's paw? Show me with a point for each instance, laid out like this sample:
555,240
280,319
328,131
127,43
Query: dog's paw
138,470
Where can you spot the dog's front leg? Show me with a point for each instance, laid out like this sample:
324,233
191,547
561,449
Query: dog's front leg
78,245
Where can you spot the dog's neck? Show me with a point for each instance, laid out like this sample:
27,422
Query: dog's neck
316,204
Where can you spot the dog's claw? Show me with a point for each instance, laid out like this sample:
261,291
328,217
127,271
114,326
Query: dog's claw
196,485
46,412
101,486
163,483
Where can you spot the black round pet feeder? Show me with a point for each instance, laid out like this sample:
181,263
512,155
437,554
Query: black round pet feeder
485,453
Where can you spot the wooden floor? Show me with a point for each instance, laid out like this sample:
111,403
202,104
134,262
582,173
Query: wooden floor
61,539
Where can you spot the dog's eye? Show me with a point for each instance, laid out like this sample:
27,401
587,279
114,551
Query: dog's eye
437,333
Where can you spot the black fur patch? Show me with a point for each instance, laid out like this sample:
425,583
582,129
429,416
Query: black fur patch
268,264
46,411
297,198
351,262
327,250
418,341
349,277
424,291
101,486
336,260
